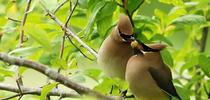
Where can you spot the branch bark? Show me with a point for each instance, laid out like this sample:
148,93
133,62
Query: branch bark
35,91
44,69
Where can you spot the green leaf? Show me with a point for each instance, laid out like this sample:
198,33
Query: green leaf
103,25
26,51
46,89
140,19
93,73
39,35
159,37
189,20
167,57
105,86
192,60
107,10
133,5
176,12
174,2
204,63
183,92
160,14
6,72
95,11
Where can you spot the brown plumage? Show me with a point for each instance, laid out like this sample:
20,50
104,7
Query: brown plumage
115,50
148,77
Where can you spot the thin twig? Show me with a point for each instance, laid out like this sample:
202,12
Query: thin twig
68,31
46,70
78,49
14,20
60,5
71,12
62,47
19,87
35,91
66,25
23,23
124,2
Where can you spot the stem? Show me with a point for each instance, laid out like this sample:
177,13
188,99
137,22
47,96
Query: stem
23,23
205,32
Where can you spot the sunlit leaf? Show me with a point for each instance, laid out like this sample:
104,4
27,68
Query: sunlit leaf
6,72
159,37
189,20
105,86
176,12
26,51
95,11
174,2
192,62
140,19
46,89
93,73
39,35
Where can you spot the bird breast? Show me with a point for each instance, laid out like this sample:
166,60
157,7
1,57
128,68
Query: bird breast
113,57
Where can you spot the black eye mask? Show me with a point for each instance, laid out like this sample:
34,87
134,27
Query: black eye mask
130,38
126,38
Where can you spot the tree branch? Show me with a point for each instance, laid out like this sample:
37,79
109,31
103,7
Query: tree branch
68,31
34,91
23,23
66,25
44,69
14,20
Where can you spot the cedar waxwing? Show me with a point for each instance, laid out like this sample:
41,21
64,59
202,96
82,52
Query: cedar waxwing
147,75
116,50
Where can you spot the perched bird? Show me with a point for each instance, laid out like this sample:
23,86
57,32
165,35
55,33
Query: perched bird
148,77
116,50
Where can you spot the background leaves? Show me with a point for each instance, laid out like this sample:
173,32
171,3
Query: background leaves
177,23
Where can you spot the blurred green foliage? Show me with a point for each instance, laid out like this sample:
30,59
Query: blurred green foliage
177,23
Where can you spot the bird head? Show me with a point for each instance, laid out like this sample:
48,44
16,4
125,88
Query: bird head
125,28
139,46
